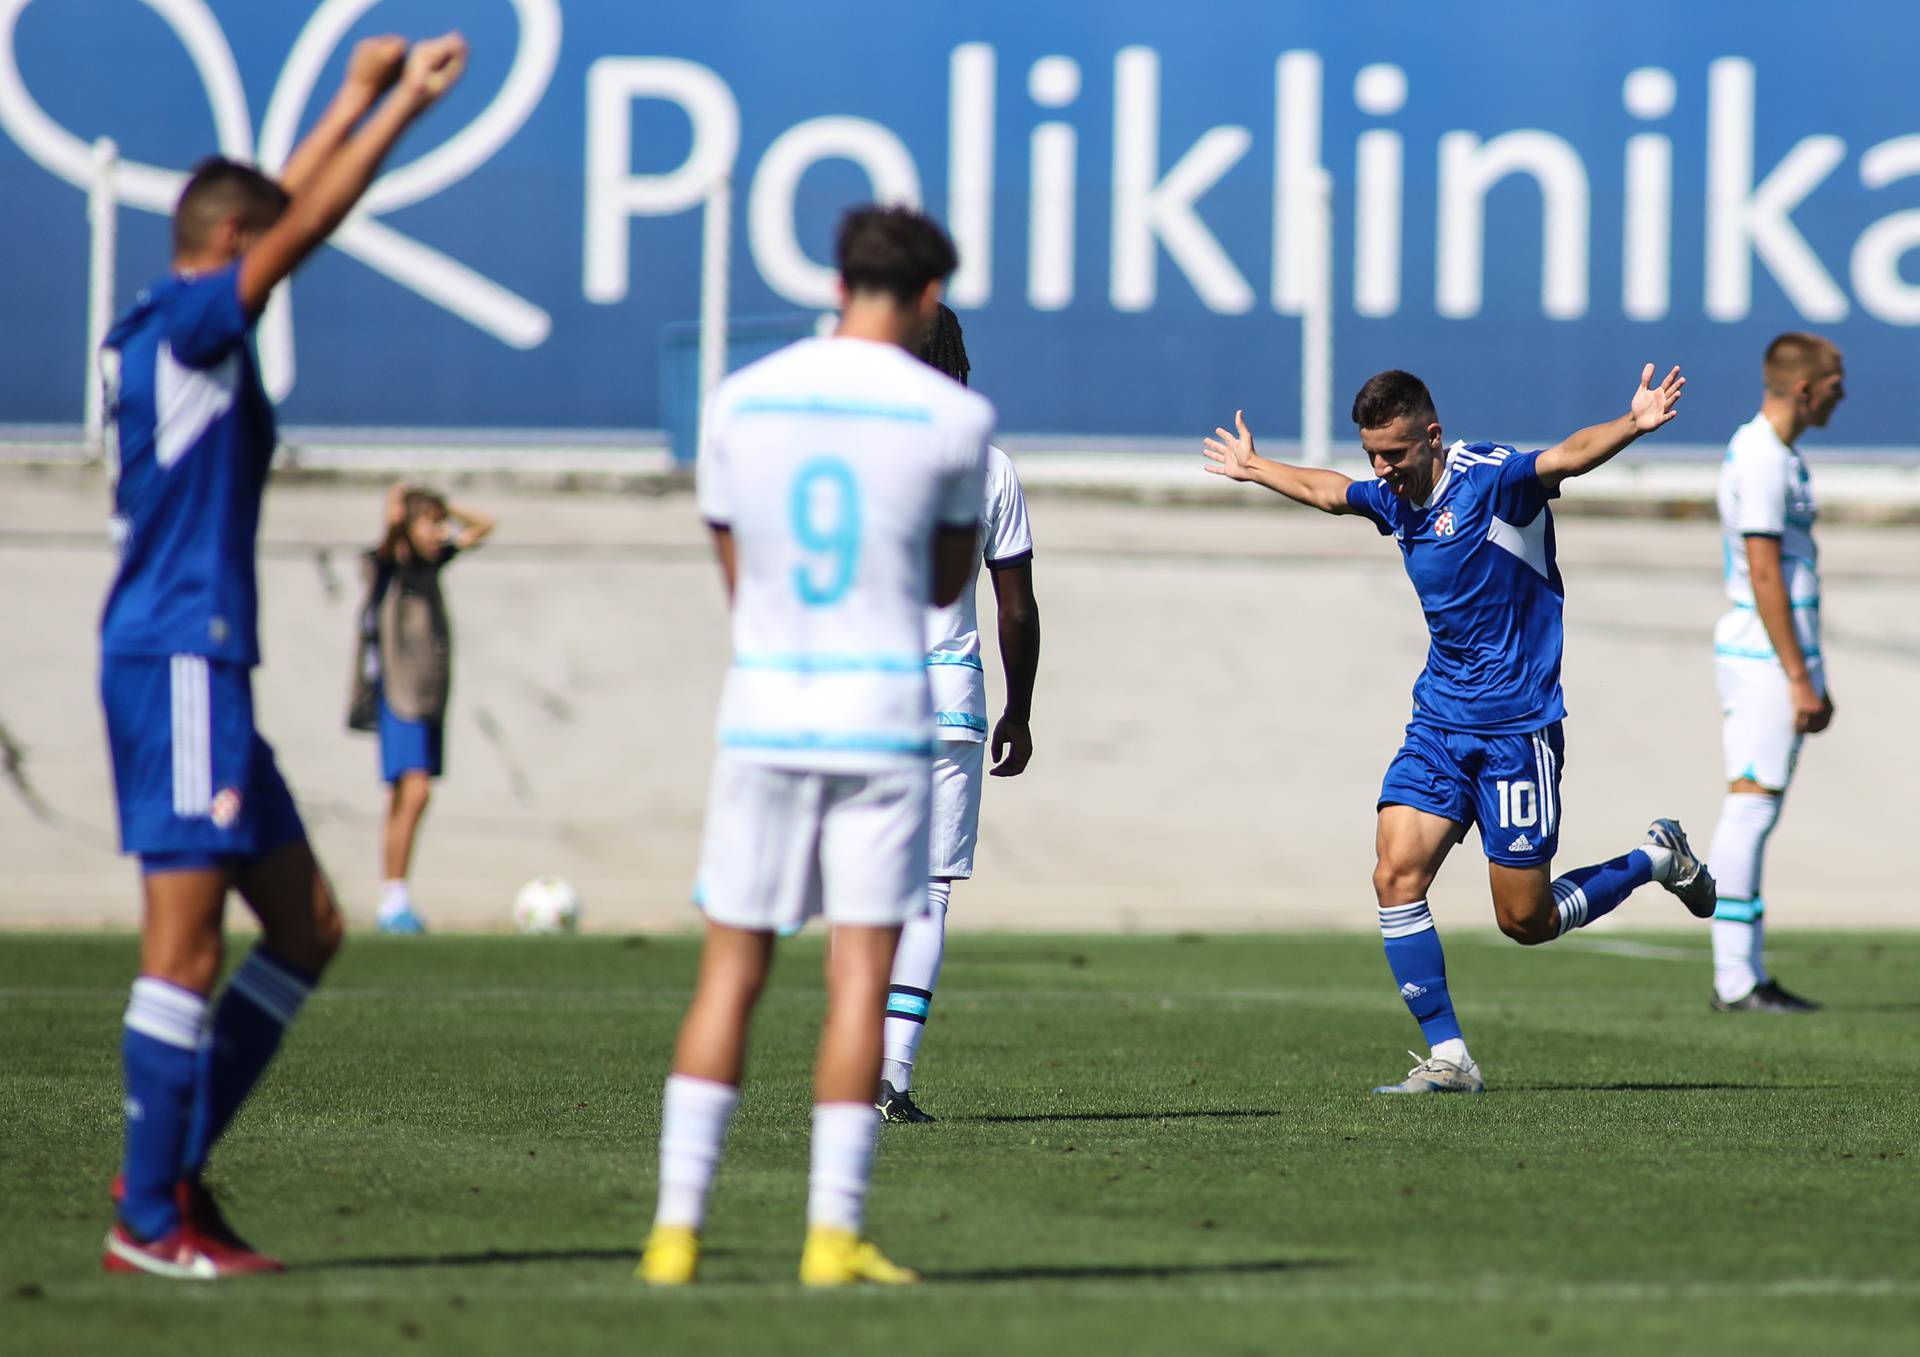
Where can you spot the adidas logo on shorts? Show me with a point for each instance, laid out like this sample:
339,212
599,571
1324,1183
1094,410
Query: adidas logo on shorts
1521,845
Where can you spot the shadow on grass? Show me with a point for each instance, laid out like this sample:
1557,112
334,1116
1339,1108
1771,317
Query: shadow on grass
999,1119
485,1258
1652,1087
1097,1272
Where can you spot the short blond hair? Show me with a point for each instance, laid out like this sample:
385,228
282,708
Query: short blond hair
1795,357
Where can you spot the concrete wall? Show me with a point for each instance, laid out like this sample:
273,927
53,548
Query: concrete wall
1221,689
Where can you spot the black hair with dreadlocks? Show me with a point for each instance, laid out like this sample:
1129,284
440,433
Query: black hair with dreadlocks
943,347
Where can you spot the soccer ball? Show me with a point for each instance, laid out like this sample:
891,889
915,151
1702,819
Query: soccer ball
546,904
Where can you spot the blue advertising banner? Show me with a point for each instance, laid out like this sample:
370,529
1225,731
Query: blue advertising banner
1529,200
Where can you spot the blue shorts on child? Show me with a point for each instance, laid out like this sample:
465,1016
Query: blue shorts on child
408,746
196,785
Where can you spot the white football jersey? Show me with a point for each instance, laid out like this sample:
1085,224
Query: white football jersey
834,462
953,632
1764,490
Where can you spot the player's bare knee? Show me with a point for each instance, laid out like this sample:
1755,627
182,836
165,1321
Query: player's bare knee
1398,884
329,928
190,965
1526,931
412,794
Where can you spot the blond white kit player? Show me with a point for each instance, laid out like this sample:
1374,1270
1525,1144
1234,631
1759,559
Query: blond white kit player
960,720
1773,685
842,479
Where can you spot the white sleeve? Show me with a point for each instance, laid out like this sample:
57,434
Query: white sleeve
1760,492
710,469
1005,535
963,489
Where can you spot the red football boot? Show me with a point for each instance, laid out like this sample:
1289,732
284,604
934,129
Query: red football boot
215,1235
203,1214
181,1255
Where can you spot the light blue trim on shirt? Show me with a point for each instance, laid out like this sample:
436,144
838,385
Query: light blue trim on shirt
843,742
831,664
815,405
958,661
1743,653
959,720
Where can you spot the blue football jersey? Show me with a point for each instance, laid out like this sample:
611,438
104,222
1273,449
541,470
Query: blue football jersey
1480,555
195,435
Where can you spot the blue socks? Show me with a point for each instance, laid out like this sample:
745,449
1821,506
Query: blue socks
1420,969
1588,893
261,999
160,1051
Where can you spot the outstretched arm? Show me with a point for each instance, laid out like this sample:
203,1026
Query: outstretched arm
323,203
1019,616
1583,451
371,71
1232,455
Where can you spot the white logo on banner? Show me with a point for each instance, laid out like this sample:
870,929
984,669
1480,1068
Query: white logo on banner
444,281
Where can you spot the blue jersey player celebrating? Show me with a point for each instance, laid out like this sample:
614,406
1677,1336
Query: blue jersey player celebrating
201,801
1484,746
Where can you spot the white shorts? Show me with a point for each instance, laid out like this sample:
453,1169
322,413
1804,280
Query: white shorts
958,766
1757,732
782,845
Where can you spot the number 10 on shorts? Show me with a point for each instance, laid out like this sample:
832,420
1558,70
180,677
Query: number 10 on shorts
1519,804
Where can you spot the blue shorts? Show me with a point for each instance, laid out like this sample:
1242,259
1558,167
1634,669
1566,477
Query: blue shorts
197,786
407,746
1509,785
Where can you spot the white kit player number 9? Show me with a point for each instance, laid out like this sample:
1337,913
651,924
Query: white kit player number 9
826,523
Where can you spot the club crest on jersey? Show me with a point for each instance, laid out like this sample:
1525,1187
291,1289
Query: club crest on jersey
225,808
1443,525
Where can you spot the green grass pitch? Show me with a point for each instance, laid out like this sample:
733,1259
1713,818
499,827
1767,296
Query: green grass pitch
1157,1144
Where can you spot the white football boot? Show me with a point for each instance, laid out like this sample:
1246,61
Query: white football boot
1434,1075
1687,876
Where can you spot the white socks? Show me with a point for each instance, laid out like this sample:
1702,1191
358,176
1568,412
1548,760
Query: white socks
1455,1050
394,900
843,1136
1737,965
1736,858
694,1114
916,970
1662,859
693,1126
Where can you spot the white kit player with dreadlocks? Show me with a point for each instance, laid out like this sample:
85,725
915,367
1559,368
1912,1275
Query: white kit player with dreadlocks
960,722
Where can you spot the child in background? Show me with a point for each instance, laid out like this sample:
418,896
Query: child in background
412,663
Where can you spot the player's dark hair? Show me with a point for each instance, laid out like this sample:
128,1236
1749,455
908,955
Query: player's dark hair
1795,356
894,250
1389,395
220,188
418,502
944,347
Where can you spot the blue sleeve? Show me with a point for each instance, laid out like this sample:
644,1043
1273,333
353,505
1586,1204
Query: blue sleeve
1518,494
205,319
1367,497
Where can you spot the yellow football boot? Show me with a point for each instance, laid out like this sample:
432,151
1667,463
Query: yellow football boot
841,1258
671,1258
